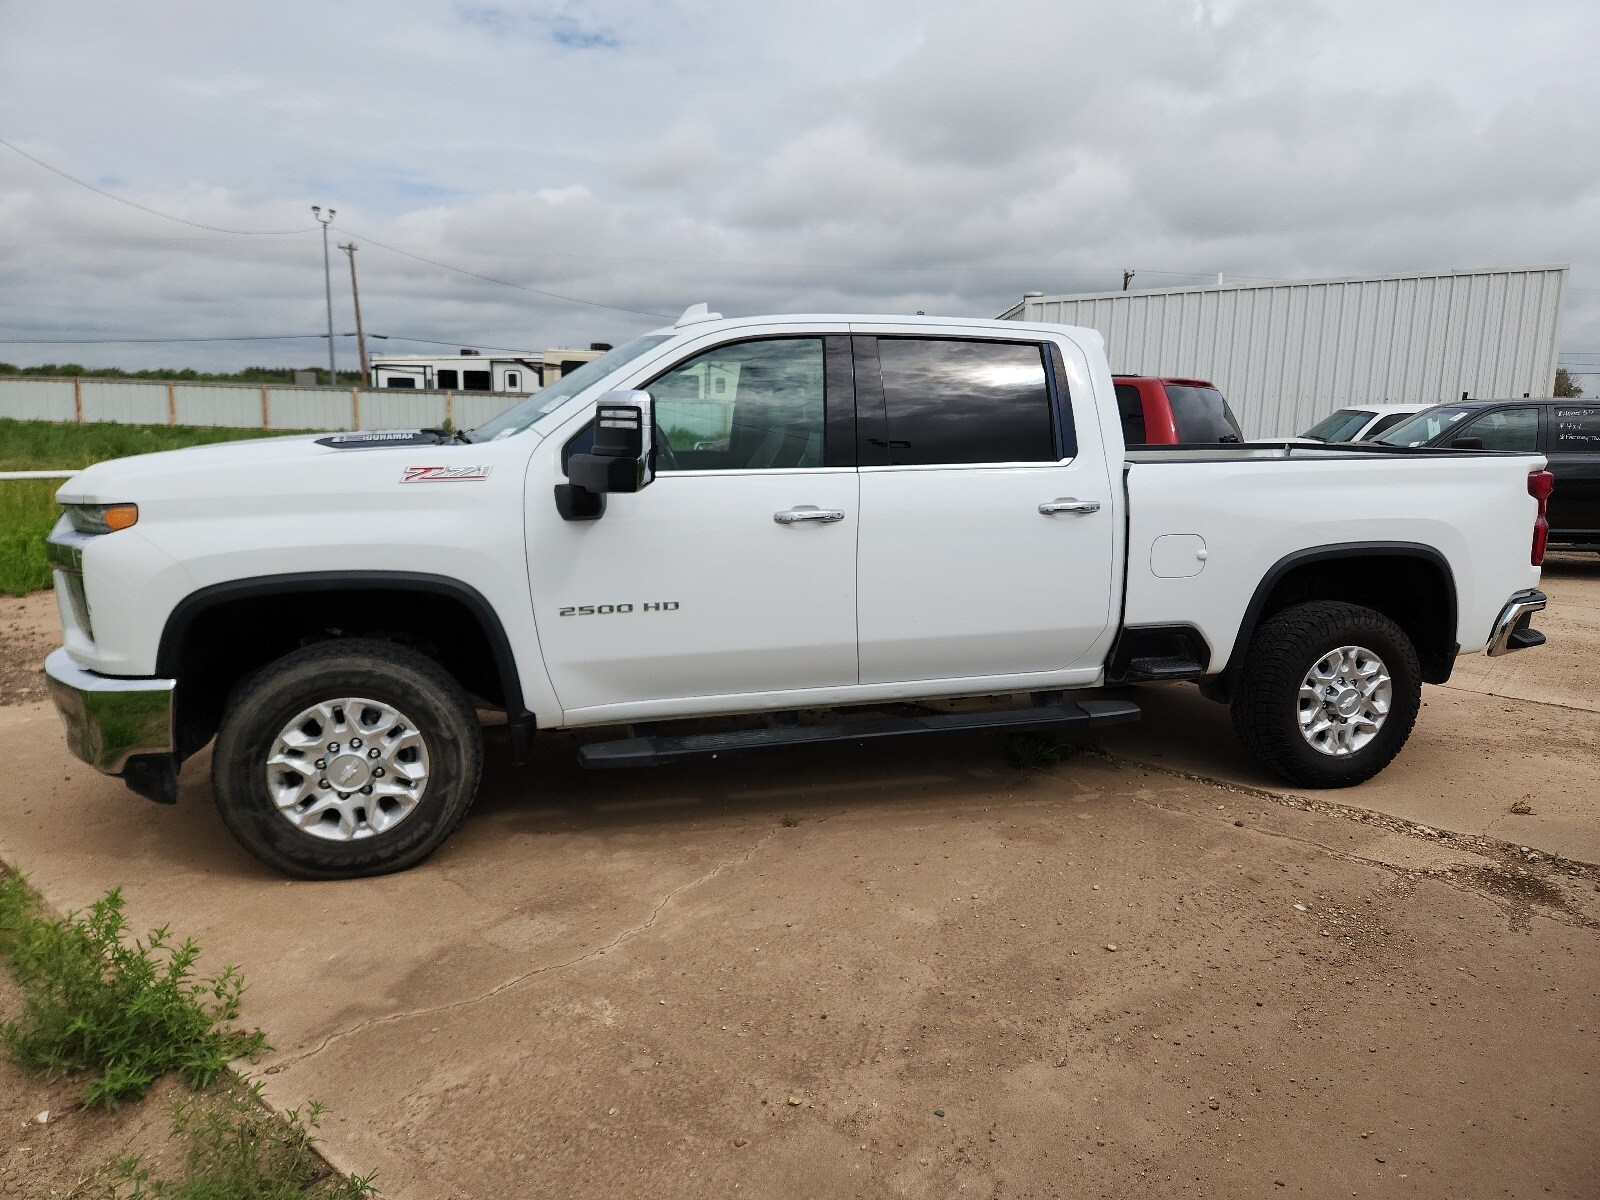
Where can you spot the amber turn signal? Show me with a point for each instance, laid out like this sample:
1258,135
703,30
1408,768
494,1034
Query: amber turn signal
120,516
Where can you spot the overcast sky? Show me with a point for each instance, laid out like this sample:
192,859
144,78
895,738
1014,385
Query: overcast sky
857,155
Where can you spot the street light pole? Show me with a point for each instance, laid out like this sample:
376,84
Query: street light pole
327,286
355,295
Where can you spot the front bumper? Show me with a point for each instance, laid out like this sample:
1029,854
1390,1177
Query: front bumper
1513,628
110,721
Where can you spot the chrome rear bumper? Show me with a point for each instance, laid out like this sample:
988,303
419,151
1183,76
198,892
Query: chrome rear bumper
1513,627
110,721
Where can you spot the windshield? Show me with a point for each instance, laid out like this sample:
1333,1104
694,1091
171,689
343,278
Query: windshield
547,400
1424,427
1338,426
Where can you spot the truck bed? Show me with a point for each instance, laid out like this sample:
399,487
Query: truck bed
1208,524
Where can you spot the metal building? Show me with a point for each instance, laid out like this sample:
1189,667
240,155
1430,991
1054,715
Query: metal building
1287,354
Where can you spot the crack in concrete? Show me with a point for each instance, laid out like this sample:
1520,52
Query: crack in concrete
1472,691
507,984
1566,916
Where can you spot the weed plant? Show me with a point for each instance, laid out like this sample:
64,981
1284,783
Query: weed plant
126,1010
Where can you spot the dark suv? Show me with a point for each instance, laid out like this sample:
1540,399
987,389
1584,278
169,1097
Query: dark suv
1567,432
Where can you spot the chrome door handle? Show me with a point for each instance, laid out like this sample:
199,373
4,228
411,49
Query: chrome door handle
807,512
1068,504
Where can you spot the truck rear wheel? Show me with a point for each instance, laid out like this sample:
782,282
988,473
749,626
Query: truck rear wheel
346,758
1328,694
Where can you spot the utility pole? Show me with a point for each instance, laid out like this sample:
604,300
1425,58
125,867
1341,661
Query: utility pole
355,294
1127,278
327,286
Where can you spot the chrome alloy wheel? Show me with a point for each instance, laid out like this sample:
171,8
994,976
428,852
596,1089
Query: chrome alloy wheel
1344,700
347,769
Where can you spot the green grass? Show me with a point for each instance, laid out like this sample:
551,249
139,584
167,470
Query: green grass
126,1011
237,1149
27,507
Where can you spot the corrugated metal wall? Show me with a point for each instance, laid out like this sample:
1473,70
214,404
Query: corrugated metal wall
242,406
1286,355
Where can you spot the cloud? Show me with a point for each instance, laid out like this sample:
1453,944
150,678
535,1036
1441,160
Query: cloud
939,154
686,153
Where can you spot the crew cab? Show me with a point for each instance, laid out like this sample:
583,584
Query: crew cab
768,519
1565,431
1173,412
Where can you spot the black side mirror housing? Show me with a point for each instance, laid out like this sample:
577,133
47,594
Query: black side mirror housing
1467,443
623,458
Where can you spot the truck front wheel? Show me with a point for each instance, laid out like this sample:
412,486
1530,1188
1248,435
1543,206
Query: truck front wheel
1328,694
346,758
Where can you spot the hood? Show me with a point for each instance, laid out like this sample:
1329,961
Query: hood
249,466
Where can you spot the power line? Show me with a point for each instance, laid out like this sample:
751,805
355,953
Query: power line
521,287
144,207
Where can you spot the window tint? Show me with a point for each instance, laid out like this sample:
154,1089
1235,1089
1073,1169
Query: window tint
448,380
1202,415
1425,426
746,406
1504,429
400,381
1384,424
1130,407
513,381
1575,430
1339,426
475,381
952,401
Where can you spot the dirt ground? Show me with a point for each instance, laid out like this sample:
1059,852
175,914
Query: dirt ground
909,970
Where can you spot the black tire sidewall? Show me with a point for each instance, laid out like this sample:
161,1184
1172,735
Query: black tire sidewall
413,685
1284,650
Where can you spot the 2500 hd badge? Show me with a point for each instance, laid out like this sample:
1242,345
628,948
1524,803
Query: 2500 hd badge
602,610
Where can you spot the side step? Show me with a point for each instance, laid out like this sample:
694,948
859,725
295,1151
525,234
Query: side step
1149,670
652,751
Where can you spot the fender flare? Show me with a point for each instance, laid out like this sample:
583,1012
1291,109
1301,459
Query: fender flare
195,603
1299,558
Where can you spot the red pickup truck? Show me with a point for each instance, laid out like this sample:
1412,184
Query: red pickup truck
1173,412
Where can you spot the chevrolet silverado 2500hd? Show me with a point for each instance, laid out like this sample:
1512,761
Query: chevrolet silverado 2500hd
752,518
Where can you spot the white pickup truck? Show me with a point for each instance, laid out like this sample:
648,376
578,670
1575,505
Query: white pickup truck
768,515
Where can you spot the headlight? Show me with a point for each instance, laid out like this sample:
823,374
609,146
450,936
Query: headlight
101,518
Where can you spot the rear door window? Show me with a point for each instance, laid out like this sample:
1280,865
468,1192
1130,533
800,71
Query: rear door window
1575,430
1202,415
951,401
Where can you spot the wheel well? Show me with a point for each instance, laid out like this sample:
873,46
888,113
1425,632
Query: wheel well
213,643
1413,587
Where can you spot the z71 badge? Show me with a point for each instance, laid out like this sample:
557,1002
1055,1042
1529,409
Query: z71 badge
445,474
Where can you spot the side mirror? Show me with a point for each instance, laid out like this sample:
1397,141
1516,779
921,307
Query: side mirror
622,460
1467,443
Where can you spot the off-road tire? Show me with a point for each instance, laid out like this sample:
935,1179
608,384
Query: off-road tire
1266,699
433,701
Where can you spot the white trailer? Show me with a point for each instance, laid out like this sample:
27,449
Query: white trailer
470,371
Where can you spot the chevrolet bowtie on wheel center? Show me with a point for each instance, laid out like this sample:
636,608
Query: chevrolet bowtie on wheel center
747,519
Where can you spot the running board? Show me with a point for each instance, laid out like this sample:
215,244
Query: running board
652,751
